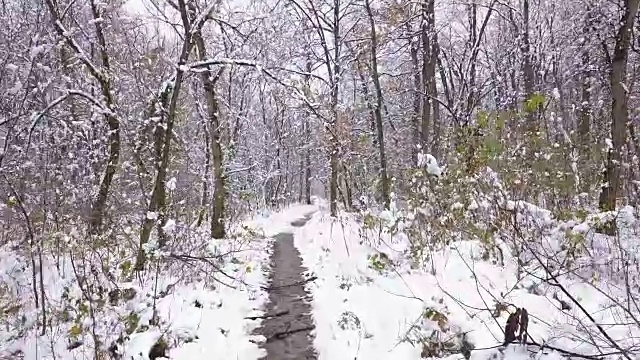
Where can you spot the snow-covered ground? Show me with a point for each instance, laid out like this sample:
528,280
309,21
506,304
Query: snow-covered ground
369,304
368,301
196,319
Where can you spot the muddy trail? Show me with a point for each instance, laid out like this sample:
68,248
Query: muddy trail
288,324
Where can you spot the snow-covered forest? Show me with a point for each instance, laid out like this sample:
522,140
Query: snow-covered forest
435,178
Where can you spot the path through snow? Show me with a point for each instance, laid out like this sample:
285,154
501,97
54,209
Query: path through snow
288,324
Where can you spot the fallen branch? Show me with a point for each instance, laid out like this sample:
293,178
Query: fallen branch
267,316
268,288
284,334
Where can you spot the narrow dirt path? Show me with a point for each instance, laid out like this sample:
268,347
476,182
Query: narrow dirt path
288,323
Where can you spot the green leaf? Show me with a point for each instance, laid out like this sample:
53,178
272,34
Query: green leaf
131,322
534,102
483,119
75,330
125,267
493,148
369,221
83,308
12,201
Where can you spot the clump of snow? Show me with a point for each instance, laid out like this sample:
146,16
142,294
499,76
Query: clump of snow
170,226
38,50
11,67
171,184
429,162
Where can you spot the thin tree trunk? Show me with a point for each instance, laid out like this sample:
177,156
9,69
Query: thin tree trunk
367,98
158,136
377,110
415,66
219,190
306,171
206,177
157,203
426,78
473,39
433,61
99,204
527,70
335,94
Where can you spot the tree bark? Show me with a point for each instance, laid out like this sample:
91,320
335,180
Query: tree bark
527,70
158,201
219,190
434,53
386,199
417,96
307,137
426,76
619,113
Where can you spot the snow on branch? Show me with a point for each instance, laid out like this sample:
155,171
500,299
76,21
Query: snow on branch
79,52
35,119
223,61
66,35
203,17
251,63
244,62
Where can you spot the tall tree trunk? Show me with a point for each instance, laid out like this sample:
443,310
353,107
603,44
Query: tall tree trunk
386,199
157,203
278,154
417,97
434,53
619,113
206,177
99,204
334,147
157,109
307,137
219,187
364,81
156,211
425,34
527,70
473,40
